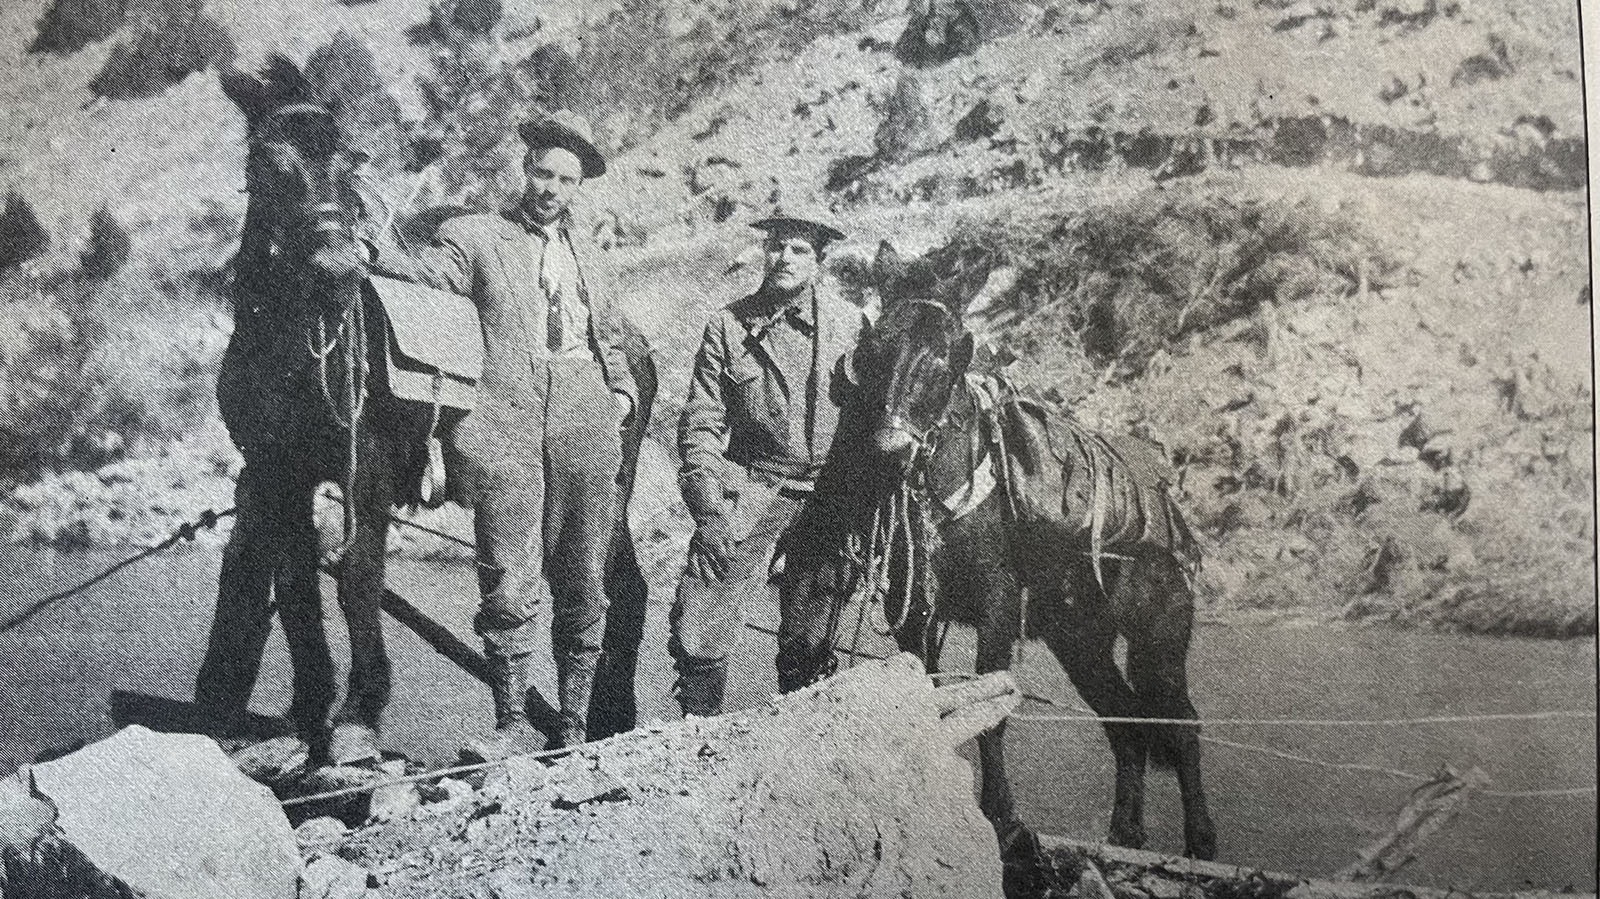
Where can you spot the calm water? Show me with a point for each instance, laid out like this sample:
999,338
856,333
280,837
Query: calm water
145,631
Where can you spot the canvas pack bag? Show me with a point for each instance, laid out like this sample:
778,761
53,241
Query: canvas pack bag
433,355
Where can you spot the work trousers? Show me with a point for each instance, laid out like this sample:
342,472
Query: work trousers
544,516
707,614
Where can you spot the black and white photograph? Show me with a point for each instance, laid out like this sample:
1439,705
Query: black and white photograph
765,449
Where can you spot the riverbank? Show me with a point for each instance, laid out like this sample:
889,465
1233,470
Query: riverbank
145,631
137,503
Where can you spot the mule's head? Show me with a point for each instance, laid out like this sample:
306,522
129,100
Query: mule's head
916,353
298,173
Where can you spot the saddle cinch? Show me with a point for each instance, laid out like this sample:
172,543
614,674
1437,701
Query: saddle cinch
433,355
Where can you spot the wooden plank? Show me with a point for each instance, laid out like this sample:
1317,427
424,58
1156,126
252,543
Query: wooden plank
1294,886
442,639
1428,810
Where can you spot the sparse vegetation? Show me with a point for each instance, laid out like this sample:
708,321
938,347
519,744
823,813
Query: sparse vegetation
109,246
1268,340
101,366
903,130
1121,282
650,61
172,40
21,236
473,107
68,26
344,76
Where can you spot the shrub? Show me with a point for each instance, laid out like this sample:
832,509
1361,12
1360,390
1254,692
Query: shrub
645,64
109,246
21,236
1122,281
344,76
473,106
77,392
68,26
174,39
903,131
475,16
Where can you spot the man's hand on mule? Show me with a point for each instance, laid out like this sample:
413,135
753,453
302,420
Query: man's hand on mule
711,548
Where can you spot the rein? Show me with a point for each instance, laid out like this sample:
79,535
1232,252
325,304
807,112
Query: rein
905,520
351,337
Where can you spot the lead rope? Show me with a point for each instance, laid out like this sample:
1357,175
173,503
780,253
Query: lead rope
351,337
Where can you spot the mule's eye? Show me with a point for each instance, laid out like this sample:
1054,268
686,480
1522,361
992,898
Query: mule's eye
280,159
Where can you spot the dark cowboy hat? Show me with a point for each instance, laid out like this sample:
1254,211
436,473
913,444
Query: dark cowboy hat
803,222
569,131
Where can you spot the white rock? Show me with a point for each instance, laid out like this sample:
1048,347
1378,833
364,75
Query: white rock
392,801
331,877
322,833
170,816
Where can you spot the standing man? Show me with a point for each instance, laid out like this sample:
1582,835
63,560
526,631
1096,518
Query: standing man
539,456
762,409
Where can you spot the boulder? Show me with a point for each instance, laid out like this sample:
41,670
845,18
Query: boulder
849,788
165,816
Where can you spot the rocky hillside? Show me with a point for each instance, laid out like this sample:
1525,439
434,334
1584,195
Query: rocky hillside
1331,254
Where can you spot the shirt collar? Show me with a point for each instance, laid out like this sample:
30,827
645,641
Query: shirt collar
799,312
546,231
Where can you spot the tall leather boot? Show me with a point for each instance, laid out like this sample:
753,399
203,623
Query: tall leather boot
513,733
700,686
612,706
575,676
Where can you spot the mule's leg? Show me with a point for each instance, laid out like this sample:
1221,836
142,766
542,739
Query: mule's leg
243,616
996,635
613,709
361,577
1082,635
299,598
1158,634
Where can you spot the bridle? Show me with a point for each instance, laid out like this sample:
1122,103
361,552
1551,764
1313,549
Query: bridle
925,441
903,524
347,331
327,217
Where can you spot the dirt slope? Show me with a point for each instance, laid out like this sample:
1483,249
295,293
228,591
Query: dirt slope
1327,440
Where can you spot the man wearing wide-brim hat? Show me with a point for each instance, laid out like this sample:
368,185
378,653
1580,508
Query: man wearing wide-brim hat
538,457
761,413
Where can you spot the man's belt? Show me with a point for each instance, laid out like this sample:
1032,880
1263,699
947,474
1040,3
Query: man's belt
794,480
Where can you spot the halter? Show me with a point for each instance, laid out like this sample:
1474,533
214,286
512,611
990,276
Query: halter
326,218
345,333
926,440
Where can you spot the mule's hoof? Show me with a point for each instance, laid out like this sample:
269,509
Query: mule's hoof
1022,861
353,744
1201,845
1128,837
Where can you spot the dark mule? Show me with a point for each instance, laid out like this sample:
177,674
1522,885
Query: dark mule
972,503
301,392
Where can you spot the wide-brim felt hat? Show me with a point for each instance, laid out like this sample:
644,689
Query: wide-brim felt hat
569,131
804,221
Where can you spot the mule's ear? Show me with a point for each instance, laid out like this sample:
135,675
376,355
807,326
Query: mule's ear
246,91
